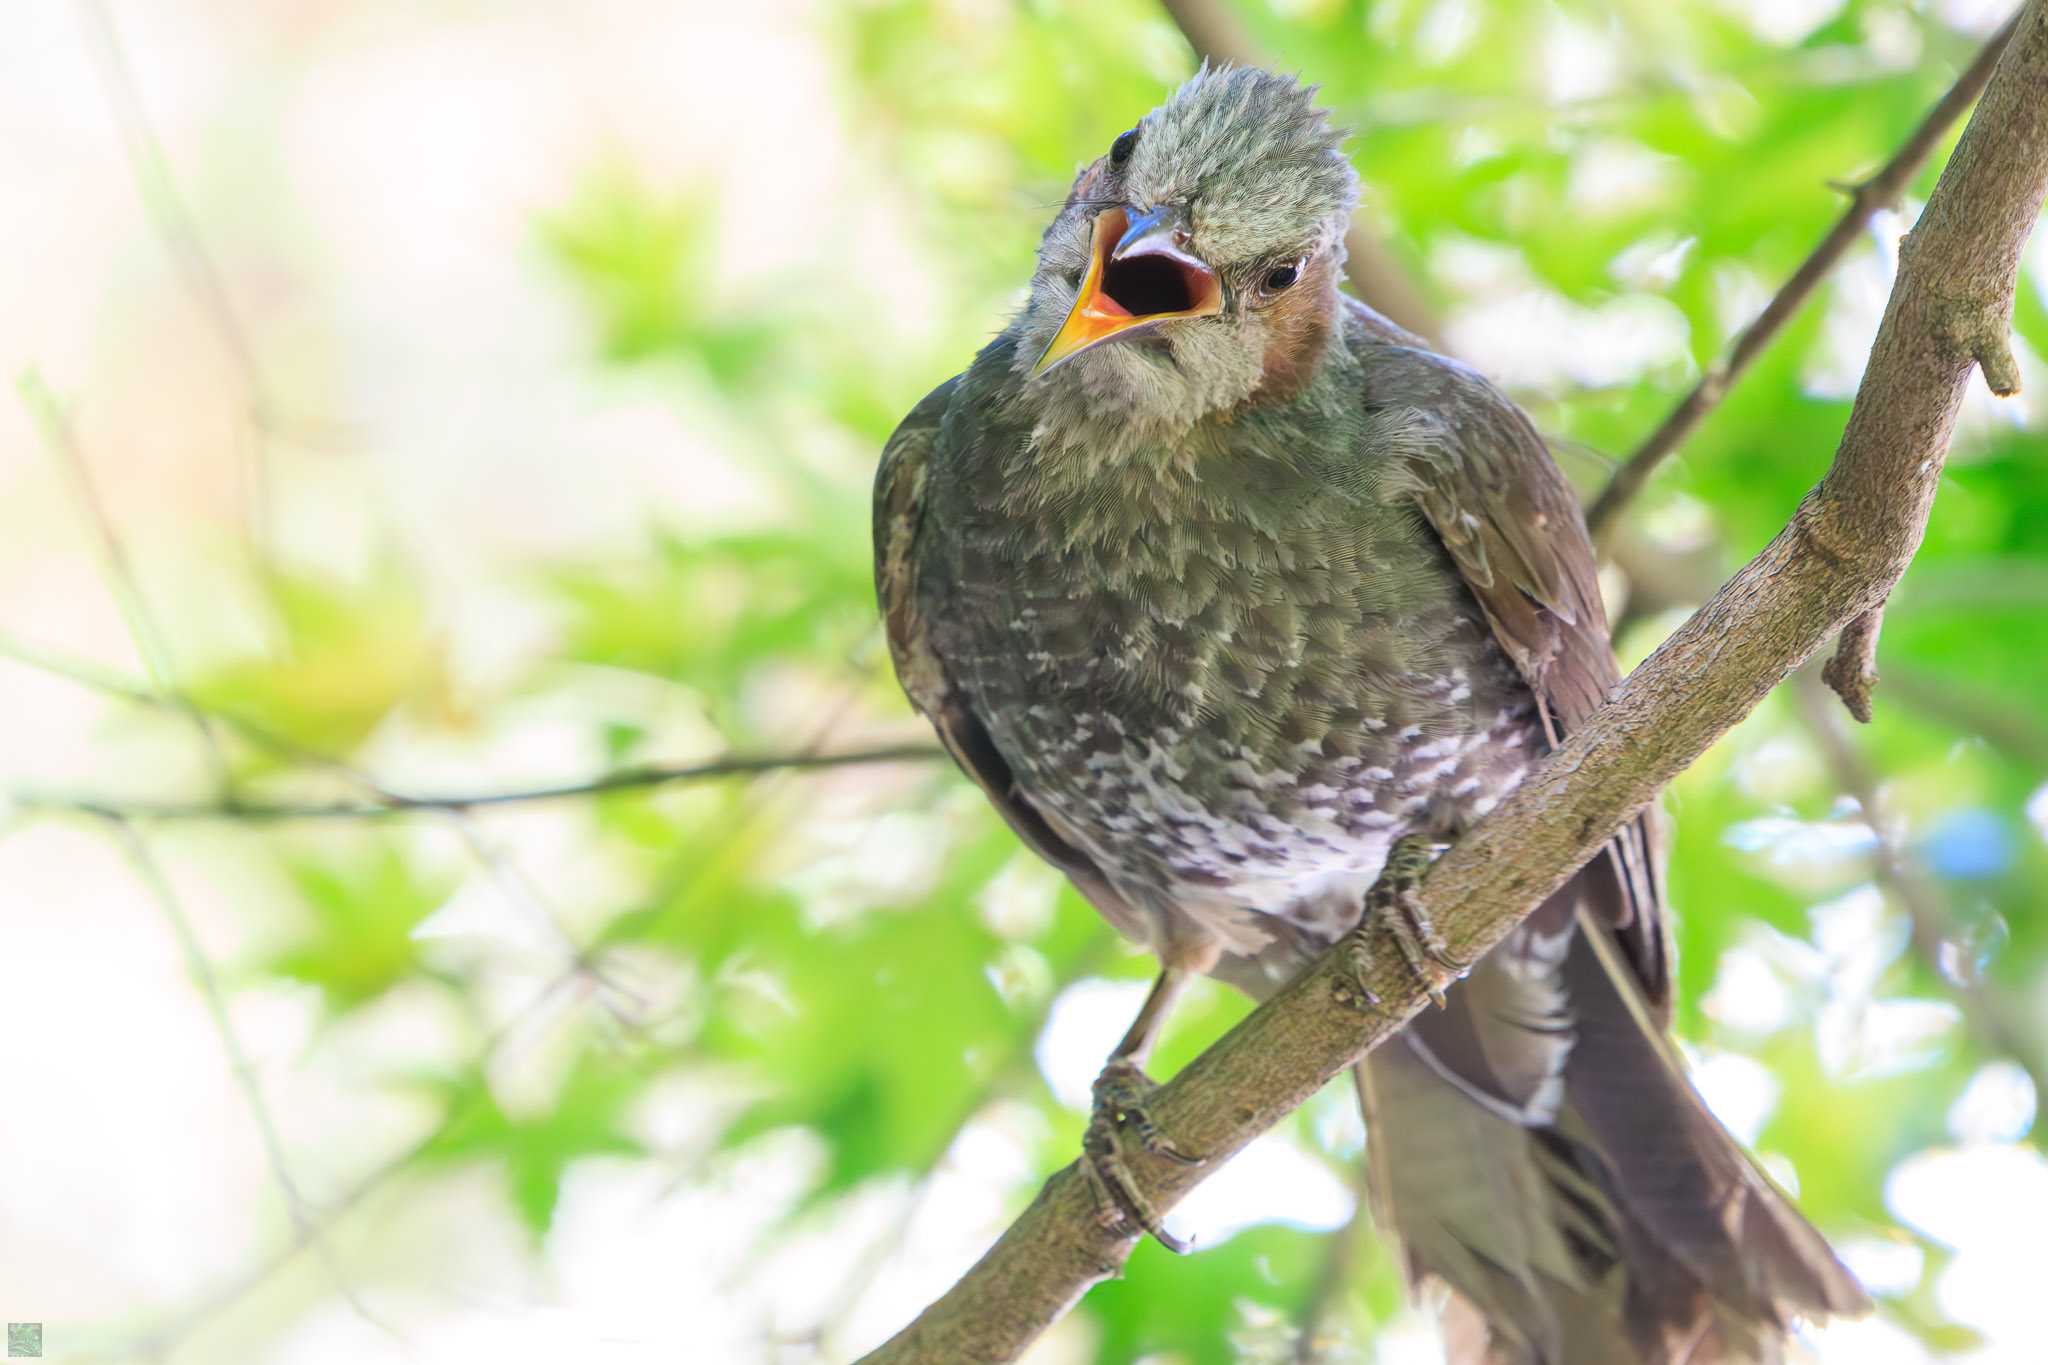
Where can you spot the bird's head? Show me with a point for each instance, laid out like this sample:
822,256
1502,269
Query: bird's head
1195,264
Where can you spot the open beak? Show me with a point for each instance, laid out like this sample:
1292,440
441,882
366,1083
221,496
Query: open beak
1139,272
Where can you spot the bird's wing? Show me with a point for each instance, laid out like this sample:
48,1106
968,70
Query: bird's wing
900,542
1664,1187
1471,463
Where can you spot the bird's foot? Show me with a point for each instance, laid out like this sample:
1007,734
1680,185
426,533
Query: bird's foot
1395,900
1120,1093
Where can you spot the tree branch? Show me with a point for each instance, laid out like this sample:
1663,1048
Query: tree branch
1852,671
1881,191
1845,547
398,803
1217,36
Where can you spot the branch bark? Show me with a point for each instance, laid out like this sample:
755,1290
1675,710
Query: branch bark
1845,547
1881,191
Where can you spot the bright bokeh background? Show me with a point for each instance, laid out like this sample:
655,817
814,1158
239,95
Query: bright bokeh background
484,395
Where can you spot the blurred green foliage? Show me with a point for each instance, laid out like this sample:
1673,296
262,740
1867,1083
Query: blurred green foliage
884,1023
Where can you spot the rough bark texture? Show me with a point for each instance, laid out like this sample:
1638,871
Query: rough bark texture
1846,546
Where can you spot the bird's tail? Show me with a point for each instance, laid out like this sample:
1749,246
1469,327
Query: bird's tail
1537,1148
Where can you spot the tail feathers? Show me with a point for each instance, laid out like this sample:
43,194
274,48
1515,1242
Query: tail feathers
1609,1220
1676,1169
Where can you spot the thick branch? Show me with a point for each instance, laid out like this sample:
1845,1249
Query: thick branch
1846,546
1881,191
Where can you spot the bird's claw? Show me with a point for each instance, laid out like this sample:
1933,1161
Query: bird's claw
1395,900
1119,1107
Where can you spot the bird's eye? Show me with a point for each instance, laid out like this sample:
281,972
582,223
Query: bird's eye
1120,150
1280,277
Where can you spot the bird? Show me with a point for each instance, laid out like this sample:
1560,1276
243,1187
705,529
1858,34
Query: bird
1240,604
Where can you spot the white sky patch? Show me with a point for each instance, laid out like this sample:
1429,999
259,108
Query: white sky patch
1885,1265
1740,296
1019,901
1749,995
1790,842
1579,62
1413,1338
1614,175
1653,263
1846,925
1537,338
1998,1105
1271,1181
1740,1090
1976,1197
1782,768
1446,30
888,859
1989,1204
2037,811
1856,299
1864,1341
1783,21
1882,1037
1976,17
1083,1025
1020,974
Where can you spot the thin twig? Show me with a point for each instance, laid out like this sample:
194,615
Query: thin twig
208,981
150,642
1935,924
175,223
1217,36
625,779
111,684
1881,191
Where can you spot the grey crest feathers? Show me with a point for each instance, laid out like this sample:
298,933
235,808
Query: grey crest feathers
1254,156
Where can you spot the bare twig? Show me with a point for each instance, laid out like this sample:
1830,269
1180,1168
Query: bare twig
624,779
174,222
127,689
1839,556
1881,191
150,642
166,206
1216,36
1936,927
203,975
